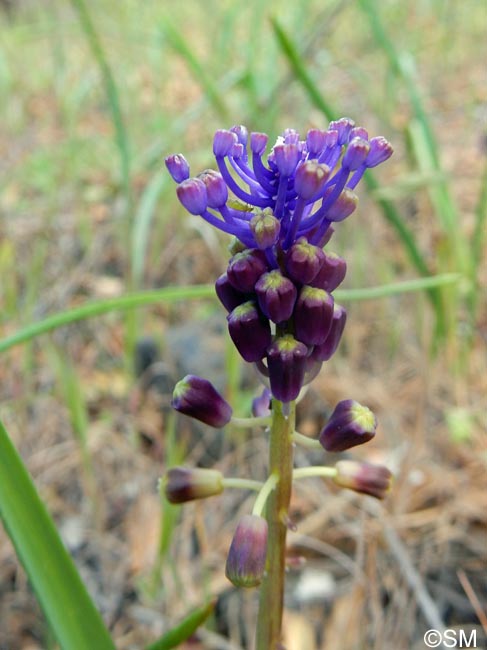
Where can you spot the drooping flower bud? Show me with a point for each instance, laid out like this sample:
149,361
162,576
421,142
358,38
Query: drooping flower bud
310,178
350,424
331,274
245,268
375,480
227,294
192,195
216,188
178,167
276,295
250,331
261,405
247,555
303,261
286,360
182,484
198,398
327,349
343,206
313,315
380,151
223,142
265,228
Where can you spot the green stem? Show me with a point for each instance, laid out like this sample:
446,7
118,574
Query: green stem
242,484
304,441
263,495
251,422
308,472
272,590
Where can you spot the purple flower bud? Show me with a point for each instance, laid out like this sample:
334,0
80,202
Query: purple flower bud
375,480
356,153
286,157
248,550
343,206
343,126
331,138
331,274
291,136
380,151
286,360
327,349
245,268
192,195
350,424
216,188
227,294
261,405
198,398
223,142
241,133
313,315
258,142
276,295
310,178
182,484
178,167
250,331
315,142
237,150
265,228
303,261
358,132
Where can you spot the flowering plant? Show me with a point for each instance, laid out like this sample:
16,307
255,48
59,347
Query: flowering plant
278,294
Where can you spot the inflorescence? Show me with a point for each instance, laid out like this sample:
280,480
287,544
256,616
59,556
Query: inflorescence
278,293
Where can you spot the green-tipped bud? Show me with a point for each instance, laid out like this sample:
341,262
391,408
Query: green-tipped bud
182,484
350,424
265,228
365,478
247,555
198,398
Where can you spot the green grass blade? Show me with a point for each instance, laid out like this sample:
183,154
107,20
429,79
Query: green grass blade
111,92
184,630
174,294
62,595
198,70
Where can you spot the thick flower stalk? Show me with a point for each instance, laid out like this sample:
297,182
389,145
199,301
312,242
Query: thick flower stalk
281,206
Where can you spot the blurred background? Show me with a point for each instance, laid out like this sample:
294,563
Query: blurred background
93,96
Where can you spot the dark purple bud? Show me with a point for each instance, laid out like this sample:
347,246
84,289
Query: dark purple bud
182,484
358,132
261,405
380,151
327,349
247,555
178,167
313,315
350,424
343,126
286,360
223,142
216,188
192,194
227,294
241,133
286,157
303,261
356,153
250,331
276,295
245,268
198,398
316,142
265,228
331,274
343,206
258,142
375,480
310,178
